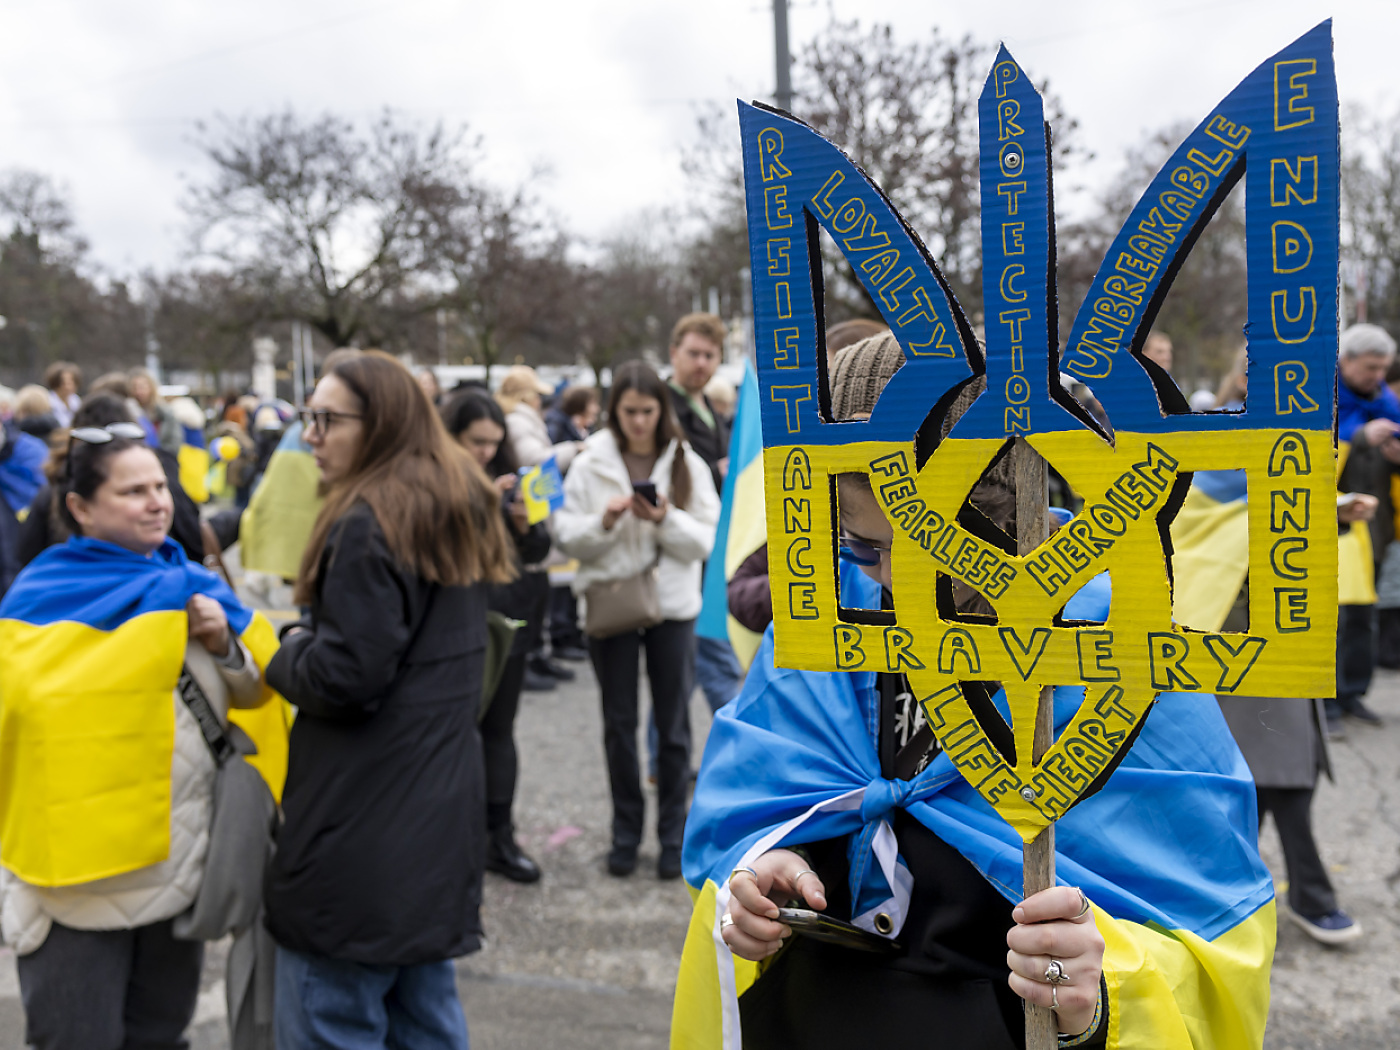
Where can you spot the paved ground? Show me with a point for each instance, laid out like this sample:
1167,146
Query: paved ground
587,962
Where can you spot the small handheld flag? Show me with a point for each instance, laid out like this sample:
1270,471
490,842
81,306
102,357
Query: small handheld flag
542,489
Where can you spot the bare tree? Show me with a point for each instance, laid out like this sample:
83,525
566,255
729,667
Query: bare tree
1371,216
56,305
40,212
1206,309
506,270
629,296
204,320
906,112
333,222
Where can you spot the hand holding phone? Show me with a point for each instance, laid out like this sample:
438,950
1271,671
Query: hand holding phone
834,931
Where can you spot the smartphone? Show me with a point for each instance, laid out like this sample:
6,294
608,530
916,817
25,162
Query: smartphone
645,489
824,928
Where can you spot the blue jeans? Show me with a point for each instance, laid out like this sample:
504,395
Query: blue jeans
717,671
327,1004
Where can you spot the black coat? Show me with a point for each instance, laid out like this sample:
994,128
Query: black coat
527,596
1367,470
9,540
710,444
380,858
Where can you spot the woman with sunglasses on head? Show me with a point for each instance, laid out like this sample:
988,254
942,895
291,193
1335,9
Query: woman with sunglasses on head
376,885
636,500
45,525
106,780
477,422
830,794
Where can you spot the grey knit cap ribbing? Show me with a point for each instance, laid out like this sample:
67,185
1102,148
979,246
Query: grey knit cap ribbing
860,371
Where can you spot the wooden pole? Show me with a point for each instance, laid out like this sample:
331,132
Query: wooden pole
1038,871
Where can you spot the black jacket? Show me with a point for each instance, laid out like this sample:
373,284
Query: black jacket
381,855
527,596
711,445
1367,470
37,533
9,540
561,428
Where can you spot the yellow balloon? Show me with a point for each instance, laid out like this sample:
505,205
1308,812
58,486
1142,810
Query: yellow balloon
227,448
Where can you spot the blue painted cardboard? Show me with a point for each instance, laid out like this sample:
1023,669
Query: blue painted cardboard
1278,130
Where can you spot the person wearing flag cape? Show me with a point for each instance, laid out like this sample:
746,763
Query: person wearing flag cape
829,790
106,781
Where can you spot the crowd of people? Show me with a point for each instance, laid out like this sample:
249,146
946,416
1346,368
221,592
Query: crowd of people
433,592
396,511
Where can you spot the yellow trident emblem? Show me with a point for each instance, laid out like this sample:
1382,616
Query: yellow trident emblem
1278,131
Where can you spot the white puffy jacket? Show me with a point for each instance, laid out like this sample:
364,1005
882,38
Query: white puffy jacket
159,891
630,546
529,439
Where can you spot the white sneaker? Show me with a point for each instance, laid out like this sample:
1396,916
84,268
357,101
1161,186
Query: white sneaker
1333,929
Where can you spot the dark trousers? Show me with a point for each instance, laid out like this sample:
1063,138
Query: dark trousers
1309,889
670,651
1356,656
498,744
1388,644
564,631
110,989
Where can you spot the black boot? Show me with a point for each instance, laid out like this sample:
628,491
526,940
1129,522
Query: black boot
505,857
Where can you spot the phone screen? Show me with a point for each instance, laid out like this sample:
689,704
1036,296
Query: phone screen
645,489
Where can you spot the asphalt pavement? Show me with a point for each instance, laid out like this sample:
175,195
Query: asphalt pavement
585,961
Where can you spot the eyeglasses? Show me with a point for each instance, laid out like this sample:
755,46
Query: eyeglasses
112,431
322,418
858,552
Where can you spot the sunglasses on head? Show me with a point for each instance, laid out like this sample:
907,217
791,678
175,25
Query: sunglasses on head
858,552
112,431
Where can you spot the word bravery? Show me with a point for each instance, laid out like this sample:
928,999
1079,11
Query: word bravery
1278,132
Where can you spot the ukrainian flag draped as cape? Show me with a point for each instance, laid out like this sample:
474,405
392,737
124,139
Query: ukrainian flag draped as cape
1166,852
742,527
276,527
92,641
1210,544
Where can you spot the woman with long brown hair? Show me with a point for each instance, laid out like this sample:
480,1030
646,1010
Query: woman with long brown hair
638,500
376,885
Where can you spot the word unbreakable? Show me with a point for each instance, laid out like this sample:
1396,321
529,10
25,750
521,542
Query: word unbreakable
1277,130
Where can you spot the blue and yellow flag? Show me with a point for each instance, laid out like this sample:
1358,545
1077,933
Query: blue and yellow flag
1210,550
276,527
1166,851
542,489
742,527
92,641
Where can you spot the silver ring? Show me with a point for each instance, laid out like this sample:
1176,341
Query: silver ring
1055,973
1083,904
736,871
726,920
798,877
1054,998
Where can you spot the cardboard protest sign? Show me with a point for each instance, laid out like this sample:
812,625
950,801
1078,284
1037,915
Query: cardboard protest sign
1278,131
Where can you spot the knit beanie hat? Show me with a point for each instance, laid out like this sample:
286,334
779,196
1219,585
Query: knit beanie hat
860,371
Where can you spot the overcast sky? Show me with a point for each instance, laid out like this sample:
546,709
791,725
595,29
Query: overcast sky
103,96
